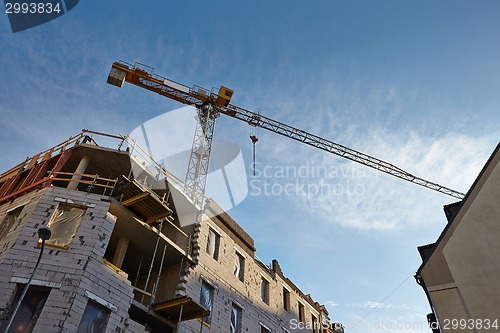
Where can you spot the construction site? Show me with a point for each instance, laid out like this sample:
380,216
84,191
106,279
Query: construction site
249,166
105,239
118,259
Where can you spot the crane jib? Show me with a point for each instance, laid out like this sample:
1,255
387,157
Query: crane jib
144,76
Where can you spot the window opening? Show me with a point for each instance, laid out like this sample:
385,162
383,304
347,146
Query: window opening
64,225
30,309
239,266
286,299
213,244
207,299
301,313
264,291
10,222
94,319
236,314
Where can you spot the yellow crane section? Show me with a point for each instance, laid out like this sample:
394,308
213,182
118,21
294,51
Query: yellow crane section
211,104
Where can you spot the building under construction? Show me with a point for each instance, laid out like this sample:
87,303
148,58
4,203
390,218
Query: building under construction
120,260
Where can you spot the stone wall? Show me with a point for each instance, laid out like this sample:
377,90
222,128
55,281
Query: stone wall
74,275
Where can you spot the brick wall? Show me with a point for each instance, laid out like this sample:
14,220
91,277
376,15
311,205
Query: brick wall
74,275
78,274
245,294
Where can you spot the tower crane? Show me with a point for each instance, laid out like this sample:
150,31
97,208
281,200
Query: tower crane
210,104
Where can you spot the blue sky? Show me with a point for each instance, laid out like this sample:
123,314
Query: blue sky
411,82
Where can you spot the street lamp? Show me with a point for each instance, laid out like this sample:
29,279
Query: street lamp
44,234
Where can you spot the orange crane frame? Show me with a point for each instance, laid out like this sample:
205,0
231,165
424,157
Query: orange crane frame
210,104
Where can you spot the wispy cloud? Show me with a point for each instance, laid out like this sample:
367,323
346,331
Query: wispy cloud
375,316
355,196
330,304
376,305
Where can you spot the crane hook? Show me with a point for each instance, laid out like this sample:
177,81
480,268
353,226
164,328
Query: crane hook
254,141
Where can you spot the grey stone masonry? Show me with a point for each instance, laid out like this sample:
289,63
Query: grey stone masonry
229,289
76,274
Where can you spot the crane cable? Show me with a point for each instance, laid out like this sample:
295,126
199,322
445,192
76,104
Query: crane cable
379,304
254,138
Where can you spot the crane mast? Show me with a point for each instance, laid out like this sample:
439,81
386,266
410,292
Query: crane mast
211,104
199,159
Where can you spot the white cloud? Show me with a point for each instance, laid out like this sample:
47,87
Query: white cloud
372,305
330,304
374,119
355,196
386,317
382,305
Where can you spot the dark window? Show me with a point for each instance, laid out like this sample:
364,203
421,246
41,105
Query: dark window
264,330
239,266
94,319
207,299
301,313
29,311
213,244
10,222
64,224
314,323
236,316
264,291
286,299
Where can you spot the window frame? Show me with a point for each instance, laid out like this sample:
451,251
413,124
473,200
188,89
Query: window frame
315,323
286,299
96,306
217,237
11,218
264,327
57,214
264,290
301,310
207,320
239,259
33,290
235,308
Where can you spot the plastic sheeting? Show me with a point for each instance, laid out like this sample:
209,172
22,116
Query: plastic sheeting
94,319
29,311
235,326
10,222
237,266
64,225
206,299
212,244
